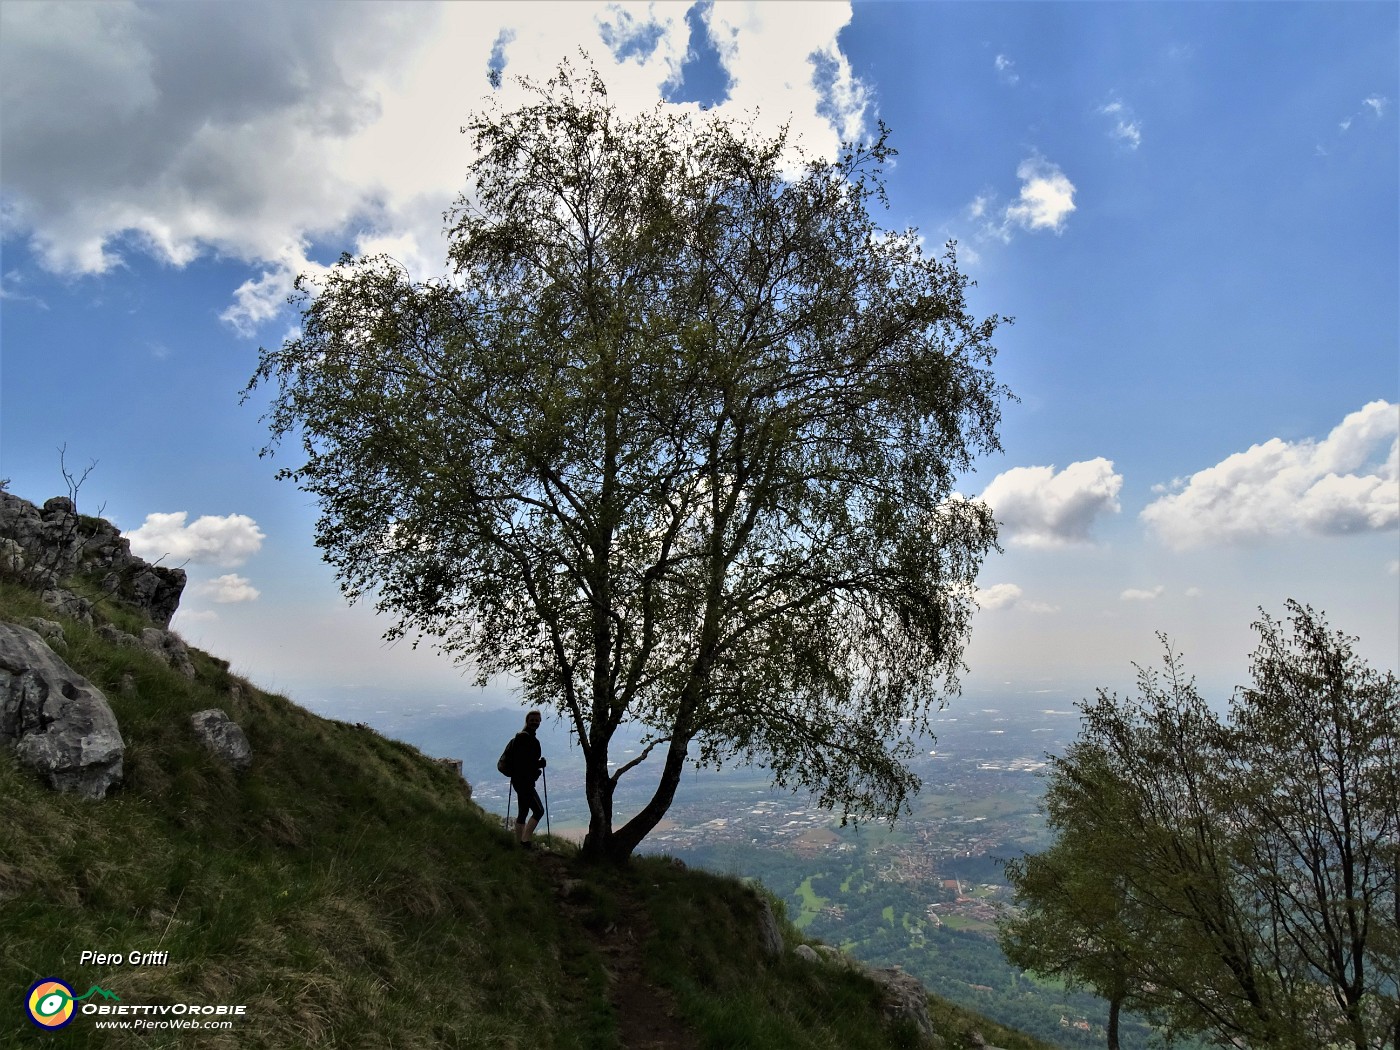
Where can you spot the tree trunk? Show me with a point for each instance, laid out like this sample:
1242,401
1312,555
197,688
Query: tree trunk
627,838
1114,1005
598,790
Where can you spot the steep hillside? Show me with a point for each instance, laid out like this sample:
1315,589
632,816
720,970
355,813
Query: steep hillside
344,891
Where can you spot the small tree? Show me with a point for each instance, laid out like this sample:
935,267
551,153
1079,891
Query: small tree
1318,735
674,447
1253,859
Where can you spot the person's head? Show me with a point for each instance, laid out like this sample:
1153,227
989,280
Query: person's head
533,720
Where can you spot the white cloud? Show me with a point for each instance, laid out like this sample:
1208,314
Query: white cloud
1127,129
1006,69
1047,197
1377,104
229,589
1347,483
1038,507
255,131
784,60
1133,594
999,596
227,541
1008,596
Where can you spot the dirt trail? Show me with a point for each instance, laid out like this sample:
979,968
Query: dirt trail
646,1014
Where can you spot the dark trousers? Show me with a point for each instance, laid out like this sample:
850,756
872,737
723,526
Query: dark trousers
529,799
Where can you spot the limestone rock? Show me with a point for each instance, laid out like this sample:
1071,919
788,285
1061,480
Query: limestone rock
58,722
223,737
43,546
769,935
116,636
903,998
807,953
12,558
66,603
49,630
171,648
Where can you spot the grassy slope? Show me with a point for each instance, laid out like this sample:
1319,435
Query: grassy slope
349,894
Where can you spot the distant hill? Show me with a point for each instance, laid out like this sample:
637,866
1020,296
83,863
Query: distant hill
343,890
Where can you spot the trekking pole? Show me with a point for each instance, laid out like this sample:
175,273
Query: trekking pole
547,830
508,794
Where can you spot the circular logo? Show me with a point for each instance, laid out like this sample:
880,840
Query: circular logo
50,1003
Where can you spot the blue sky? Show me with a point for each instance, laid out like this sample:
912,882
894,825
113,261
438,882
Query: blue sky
1189,209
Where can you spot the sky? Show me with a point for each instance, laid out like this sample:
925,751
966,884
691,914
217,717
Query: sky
1190,210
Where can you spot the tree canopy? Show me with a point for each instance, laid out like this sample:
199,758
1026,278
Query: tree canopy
1236,877
674,446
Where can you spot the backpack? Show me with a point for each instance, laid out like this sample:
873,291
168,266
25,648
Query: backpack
505,765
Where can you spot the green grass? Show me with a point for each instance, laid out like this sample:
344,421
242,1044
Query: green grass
812,904
347,892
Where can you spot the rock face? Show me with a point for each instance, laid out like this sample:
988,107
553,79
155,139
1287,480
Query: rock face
46,545
224,737
770,936
57,721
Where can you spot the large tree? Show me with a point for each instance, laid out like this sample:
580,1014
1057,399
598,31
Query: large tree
1254,854
674,446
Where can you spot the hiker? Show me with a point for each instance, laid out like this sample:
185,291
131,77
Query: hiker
524,764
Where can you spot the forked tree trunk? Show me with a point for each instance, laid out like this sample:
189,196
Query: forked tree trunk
616,845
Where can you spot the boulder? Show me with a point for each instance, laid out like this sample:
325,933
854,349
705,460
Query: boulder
223,737
903,998
807,953
58,722
171,648
49,630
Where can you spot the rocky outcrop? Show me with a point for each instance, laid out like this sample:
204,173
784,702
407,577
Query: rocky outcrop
44,546
58,722
903,998
770,935
223,737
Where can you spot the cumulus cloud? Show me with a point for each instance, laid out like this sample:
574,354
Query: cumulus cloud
226,541
1377,104
1008,596
1045,203
229,589
1133,594
1047,197
1006,69
1038,507
1126,129
1349,482
258,131
998,596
